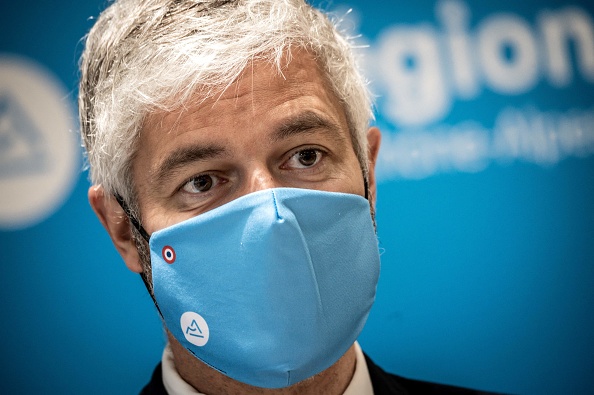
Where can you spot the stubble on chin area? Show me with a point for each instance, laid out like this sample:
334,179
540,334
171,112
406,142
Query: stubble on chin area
209,381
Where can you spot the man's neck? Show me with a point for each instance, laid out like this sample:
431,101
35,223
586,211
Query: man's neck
206,380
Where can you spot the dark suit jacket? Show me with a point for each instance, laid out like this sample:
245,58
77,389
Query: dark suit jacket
382,382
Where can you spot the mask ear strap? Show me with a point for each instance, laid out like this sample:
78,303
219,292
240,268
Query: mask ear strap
366,187
145,236
132,219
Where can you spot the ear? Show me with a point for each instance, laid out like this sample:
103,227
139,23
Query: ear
115,221
374,138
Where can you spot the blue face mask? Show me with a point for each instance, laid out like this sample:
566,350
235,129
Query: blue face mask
271,288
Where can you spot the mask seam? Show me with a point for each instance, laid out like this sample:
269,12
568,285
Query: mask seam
278,217
311,264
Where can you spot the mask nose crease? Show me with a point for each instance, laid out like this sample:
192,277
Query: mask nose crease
312,269
305,245
278,216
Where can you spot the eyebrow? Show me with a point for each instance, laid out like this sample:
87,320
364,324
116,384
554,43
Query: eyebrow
185,155
307,122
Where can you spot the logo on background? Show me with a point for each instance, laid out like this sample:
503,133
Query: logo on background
424,70
39,149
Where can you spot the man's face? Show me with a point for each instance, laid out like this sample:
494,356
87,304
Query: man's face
264,131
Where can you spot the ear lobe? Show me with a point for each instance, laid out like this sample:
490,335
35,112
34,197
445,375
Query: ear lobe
116,223
374,138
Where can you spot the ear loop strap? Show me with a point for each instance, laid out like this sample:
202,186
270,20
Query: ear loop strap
132,218
145,236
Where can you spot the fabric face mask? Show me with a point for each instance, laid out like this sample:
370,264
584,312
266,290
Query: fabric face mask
271,288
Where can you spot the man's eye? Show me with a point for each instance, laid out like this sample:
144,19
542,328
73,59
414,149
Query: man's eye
304,159
200,184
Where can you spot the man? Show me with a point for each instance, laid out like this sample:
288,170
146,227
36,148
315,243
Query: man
233,168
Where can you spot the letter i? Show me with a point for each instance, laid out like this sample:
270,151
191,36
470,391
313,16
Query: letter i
454,17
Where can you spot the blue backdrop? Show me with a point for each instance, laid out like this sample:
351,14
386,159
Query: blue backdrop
485,210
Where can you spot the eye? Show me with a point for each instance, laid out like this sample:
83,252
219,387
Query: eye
304,159
201,183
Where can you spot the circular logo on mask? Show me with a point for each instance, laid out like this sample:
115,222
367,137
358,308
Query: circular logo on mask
195,328
168,254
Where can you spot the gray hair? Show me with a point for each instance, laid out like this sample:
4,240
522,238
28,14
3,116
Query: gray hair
148,55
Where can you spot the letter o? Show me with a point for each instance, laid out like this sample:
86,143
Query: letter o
517,74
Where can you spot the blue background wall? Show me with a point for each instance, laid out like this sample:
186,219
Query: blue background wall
485,210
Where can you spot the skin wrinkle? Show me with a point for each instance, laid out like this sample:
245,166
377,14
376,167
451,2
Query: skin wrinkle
307,121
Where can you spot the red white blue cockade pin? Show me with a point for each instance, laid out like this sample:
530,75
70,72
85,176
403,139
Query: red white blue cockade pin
168,254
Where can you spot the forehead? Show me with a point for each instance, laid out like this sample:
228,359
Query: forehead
260,98
260,85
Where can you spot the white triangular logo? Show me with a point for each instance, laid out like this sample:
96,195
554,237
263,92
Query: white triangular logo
22,148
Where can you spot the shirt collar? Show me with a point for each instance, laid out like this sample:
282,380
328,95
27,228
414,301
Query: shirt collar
360,383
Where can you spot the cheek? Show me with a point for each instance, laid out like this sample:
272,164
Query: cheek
350,180
356,173
357,183
157,219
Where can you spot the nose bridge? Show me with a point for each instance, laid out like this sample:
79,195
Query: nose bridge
259,177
